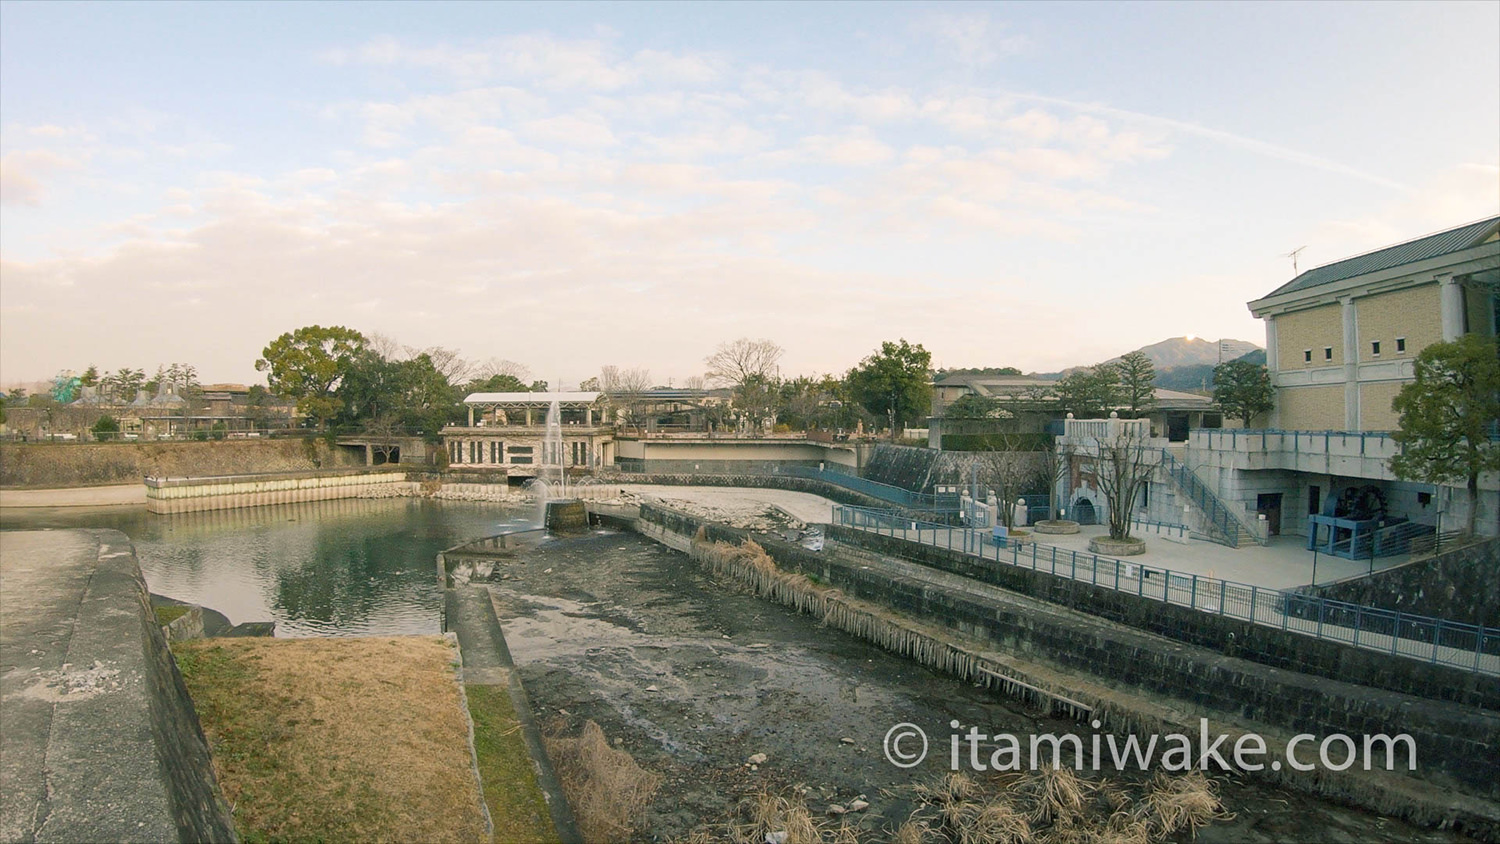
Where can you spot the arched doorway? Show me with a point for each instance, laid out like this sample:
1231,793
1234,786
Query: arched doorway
1084,512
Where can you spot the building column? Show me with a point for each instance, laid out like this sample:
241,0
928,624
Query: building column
1451,297
1351,365
471,416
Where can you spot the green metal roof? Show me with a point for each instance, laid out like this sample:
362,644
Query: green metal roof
1431,246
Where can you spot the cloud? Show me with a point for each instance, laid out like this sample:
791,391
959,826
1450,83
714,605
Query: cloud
973,39
22,174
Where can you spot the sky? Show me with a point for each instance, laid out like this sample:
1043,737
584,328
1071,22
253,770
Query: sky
571,186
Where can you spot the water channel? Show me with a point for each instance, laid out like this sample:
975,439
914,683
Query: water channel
689,677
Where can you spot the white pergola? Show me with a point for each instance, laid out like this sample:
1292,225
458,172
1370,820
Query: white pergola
529,402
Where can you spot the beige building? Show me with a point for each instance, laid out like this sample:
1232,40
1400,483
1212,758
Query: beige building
1341,340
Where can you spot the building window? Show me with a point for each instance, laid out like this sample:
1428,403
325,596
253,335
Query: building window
475,455
520,454
1375,348
497,451
1307,355
1400,345
1327,353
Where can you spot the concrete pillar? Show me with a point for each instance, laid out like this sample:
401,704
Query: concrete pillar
1451,299
1351,365
471,416
1272,360
588,415
528,417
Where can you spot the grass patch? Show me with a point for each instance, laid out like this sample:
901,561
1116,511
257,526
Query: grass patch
167,614
336,739
517,807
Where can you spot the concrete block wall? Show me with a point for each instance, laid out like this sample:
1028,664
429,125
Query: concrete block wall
226,493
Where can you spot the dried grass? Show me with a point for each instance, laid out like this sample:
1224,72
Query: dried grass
1056,806
605,787
347,739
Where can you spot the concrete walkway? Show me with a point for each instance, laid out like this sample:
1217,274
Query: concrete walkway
85,496
98,743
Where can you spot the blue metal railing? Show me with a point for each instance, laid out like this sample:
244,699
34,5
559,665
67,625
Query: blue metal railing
1204,498
1435,640
948,503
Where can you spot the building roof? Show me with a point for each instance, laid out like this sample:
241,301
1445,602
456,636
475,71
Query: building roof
1436,245
532,399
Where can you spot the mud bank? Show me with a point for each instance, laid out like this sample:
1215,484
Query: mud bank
693,678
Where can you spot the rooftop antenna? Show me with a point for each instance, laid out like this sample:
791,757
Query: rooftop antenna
1293,255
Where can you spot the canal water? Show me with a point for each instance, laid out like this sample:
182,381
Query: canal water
329,568
689,677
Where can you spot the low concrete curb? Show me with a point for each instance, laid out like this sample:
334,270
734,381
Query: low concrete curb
487,662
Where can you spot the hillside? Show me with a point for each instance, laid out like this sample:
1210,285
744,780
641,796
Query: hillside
1176,353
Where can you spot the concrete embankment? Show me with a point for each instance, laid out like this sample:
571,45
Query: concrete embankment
1130,680
101,742
191,495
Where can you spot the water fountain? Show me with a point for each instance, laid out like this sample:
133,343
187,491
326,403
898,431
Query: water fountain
560,513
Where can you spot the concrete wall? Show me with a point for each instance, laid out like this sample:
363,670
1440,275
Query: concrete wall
190,495
74,464
1460,586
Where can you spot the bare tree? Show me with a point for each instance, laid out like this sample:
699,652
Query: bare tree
383,433
491,367
625,389
1056,463
386,347
1123,466
733,363
694,382
446,361
1010,473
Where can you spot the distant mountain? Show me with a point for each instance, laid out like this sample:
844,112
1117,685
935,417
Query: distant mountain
1198,377
1178,353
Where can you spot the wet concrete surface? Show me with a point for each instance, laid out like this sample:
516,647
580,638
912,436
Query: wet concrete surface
693,679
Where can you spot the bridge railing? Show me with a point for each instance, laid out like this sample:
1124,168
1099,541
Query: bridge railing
1465,646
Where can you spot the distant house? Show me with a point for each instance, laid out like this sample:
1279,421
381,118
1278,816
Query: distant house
1172,416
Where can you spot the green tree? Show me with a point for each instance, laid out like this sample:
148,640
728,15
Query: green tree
125,384
106,428
1243,389
309,364
412,395
1090,393
895,383
973,406
1448,416
502,383
90,377
1137,383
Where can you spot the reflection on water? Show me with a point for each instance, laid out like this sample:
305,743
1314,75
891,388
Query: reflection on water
330,568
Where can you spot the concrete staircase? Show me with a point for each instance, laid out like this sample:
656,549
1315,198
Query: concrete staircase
1225,525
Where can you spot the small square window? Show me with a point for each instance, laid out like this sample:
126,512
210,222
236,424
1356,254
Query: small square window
1400,345
1307,355
1327,353
1375,348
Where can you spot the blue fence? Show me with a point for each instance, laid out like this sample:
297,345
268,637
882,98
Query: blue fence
884,492
1435,640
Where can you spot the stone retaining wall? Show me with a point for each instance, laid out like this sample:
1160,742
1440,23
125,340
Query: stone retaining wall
1460,586
1228,636
50,465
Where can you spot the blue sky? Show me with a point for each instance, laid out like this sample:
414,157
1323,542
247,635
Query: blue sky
571,186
